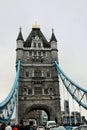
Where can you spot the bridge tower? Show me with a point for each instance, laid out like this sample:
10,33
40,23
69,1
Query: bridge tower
39,82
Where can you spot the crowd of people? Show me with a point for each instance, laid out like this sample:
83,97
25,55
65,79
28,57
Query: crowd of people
20,126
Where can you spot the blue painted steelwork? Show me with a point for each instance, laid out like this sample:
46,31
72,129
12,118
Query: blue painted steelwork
10,100
6,119
77,92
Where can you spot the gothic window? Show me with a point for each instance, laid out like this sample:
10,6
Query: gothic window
39,45
46,91
30,53
29,91
48,74
39,53
51,91
24,91
37,73
37,90
27,74
34,45
44,54
35,53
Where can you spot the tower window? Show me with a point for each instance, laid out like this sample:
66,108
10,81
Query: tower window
39,53
35,53
34,45
30,53
44,54
39,45
50,91
27,74
29,91
48,74
37,73
24,91
46,91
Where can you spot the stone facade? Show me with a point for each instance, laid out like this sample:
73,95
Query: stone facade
39,82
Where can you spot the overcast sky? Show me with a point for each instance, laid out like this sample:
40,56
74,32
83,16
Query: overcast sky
69,20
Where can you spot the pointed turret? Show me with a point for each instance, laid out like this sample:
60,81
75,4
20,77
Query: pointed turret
53,43
20,37
20,43
53,38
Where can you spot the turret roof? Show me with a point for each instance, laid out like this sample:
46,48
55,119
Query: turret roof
36,32
20,37
53,38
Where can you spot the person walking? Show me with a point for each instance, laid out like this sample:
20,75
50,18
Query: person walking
15,127
3,126
8,127
21,126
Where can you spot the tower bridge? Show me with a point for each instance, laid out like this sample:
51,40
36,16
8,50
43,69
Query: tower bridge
36,85
38,82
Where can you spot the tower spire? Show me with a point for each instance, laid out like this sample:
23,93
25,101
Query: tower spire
20,37
20,28
53,38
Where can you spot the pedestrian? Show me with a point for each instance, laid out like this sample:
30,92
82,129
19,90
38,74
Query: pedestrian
2,126
8,127
15,127
21,126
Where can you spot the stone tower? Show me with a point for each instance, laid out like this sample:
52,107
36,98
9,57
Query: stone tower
39,82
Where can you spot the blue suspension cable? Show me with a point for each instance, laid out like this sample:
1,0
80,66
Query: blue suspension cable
12,96
72,87
8,98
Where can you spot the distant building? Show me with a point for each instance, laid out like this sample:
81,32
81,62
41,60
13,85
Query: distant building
66,107
77,117
74,118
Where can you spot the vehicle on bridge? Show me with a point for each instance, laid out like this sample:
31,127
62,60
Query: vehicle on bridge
50,124
81,127
40,128
58,128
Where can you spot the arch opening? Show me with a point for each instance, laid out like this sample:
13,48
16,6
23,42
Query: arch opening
40,113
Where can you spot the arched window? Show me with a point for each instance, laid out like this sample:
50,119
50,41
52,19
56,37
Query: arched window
39,45
51,91
39,53
35,53
46,91
34,45
24,91
27,74
37,73
29,91
48,73
44,54
30,53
